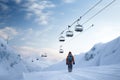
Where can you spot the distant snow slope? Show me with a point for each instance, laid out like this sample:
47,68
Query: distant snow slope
100,54
36,59
10,62
34,63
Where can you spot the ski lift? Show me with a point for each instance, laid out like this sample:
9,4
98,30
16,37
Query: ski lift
61,51
61,38
79,28
69,33
37,58
44,55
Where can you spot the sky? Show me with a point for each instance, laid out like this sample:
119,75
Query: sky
34,25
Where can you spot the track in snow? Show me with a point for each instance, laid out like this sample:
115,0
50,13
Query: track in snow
91,73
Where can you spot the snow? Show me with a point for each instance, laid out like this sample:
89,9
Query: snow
3,71
100,54
11,65
101,62
92,73
33,64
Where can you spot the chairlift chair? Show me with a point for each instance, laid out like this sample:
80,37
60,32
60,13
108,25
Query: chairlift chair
79,28
61,39
37,58
69,33
45,55
42,55
61,51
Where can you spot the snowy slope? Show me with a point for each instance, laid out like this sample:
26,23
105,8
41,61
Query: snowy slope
11,65
111,53
99,54
100,63
92,73
34,63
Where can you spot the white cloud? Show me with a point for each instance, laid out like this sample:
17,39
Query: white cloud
30,51
26,34
68,1
37,9
8,32
37,35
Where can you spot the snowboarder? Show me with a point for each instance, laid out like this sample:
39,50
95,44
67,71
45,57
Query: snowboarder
70,61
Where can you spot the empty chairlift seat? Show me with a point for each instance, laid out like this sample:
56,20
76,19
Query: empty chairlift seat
69,33
78,28
44,55
61,51
61,39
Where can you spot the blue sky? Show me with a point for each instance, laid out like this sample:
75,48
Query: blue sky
36,24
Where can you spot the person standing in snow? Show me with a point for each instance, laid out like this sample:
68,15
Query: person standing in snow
70,61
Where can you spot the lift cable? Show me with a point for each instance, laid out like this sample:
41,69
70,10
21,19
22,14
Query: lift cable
93,17
82,15
99,12
92,8
79,33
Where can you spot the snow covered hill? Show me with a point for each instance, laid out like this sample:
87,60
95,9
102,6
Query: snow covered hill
11,64
100,54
